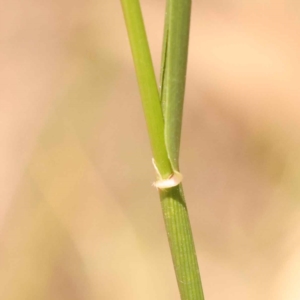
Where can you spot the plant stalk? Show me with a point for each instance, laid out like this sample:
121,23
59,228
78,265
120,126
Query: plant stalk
173,78
173,72
181,243
163,117
147,84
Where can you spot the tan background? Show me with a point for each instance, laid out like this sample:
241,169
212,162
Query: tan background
78,216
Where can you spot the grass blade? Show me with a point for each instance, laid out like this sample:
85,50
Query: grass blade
147,84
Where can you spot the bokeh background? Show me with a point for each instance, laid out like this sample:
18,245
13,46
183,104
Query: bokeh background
78,216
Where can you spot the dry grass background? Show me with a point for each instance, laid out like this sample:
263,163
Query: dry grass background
78,216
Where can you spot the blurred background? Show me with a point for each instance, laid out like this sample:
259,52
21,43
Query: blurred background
78,216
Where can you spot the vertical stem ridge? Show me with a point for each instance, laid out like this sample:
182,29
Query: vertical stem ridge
181,244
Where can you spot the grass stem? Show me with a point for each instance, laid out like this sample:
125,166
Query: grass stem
147,84
163,115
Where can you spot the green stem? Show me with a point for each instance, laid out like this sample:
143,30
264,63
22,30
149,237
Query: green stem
165,129
147,84
173,74
181,243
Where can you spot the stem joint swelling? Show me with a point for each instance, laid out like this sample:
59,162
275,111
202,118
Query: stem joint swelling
174,179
